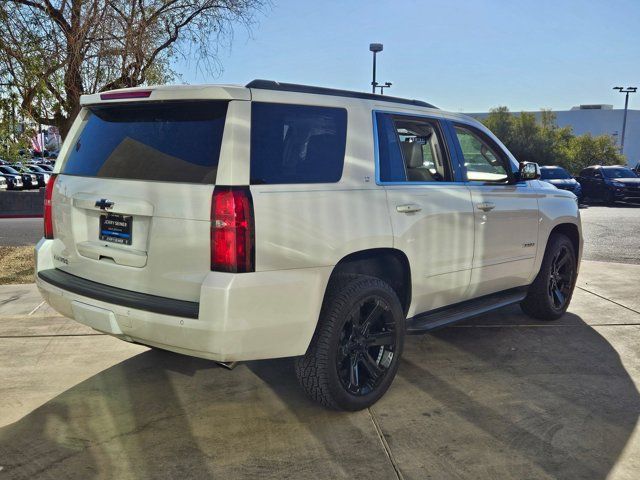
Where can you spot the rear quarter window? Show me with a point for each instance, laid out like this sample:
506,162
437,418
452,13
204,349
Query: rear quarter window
297,143
167,141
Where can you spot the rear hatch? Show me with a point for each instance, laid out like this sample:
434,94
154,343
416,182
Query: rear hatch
132,201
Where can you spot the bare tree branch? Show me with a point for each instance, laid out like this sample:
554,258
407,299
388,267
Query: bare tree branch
56,50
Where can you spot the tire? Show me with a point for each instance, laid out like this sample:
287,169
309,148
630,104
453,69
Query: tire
354,354
550,293
609,198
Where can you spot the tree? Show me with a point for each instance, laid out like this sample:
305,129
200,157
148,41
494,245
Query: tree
500,122
585,150
53,51
545,143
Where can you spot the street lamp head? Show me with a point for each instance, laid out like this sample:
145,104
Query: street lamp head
626,90
375,47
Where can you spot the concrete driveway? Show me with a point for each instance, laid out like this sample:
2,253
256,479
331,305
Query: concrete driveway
501,396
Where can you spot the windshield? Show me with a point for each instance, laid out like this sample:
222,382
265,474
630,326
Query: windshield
9,170
618,173
162,141
554,174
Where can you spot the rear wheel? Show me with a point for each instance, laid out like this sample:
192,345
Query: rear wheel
354,354
550,293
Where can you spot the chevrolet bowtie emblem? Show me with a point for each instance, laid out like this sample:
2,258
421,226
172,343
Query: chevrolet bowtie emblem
104,204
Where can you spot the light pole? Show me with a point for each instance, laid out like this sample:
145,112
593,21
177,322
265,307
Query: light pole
626,91
382,87
375,48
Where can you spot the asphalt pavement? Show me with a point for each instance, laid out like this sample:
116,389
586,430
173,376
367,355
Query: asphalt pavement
15,232
612,234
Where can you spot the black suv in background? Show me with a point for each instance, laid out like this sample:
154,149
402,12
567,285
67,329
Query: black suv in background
609,184
12,177
560,178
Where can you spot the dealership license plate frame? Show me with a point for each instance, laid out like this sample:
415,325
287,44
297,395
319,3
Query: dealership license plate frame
116,228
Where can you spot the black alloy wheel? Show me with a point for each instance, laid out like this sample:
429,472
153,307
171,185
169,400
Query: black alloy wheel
550,293
367,346
561,277
355,351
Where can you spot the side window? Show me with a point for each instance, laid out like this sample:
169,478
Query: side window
482,161
411,149
597,174
586,173
297,143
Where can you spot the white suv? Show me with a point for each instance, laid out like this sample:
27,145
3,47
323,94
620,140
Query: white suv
279,220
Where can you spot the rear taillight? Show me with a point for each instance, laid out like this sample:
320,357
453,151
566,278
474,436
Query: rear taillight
48,218
232,230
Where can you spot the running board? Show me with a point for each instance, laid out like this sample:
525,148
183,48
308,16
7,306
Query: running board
427,321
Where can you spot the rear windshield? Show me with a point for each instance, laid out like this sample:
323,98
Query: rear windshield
168,141
297,143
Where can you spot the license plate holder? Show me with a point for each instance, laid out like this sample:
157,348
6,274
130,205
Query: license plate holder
116,228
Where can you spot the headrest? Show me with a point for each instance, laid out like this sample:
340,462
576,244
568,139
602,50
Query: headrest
412,152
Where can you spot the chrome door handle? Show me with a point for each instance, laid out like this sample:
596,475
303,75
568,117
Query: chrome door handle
486,206
408,208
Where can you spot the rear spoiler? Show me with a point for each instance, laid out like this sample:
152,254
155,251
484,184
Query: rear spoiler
168,93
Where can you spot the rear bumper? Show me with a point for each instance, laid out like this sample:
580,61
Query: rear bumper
245,316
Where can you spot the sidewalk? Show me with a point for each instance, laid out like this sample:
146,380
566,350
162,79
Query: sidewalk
501,396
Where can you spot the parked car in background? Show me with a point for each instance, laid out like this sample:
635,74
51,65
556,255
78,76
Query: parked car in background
14,180
42,175
609,184
560,178
636,169
29,180
281,220
3,183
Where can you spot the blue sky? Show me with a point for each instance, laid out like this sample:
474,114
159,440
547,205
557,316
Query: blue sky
459,55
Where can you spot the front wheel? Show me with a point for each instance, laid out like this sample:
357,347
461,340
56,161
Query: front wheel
609,198
354,354
550,293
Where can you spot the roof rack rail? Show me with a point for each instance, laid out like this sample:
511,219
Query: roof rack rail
294,87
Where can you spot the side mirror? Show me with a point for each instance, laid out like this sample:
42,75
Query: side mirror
528,171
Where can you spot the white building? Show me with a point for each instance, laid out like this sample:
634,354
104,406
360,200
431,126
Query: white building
600,120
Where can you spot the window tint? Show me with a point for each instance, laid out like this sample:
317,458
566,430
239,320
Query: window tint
411,149
482,162
168,141
297,143
391,163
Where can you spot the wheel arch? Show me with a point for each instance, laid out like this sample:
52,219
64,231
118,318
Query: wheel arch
388,264
569,230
